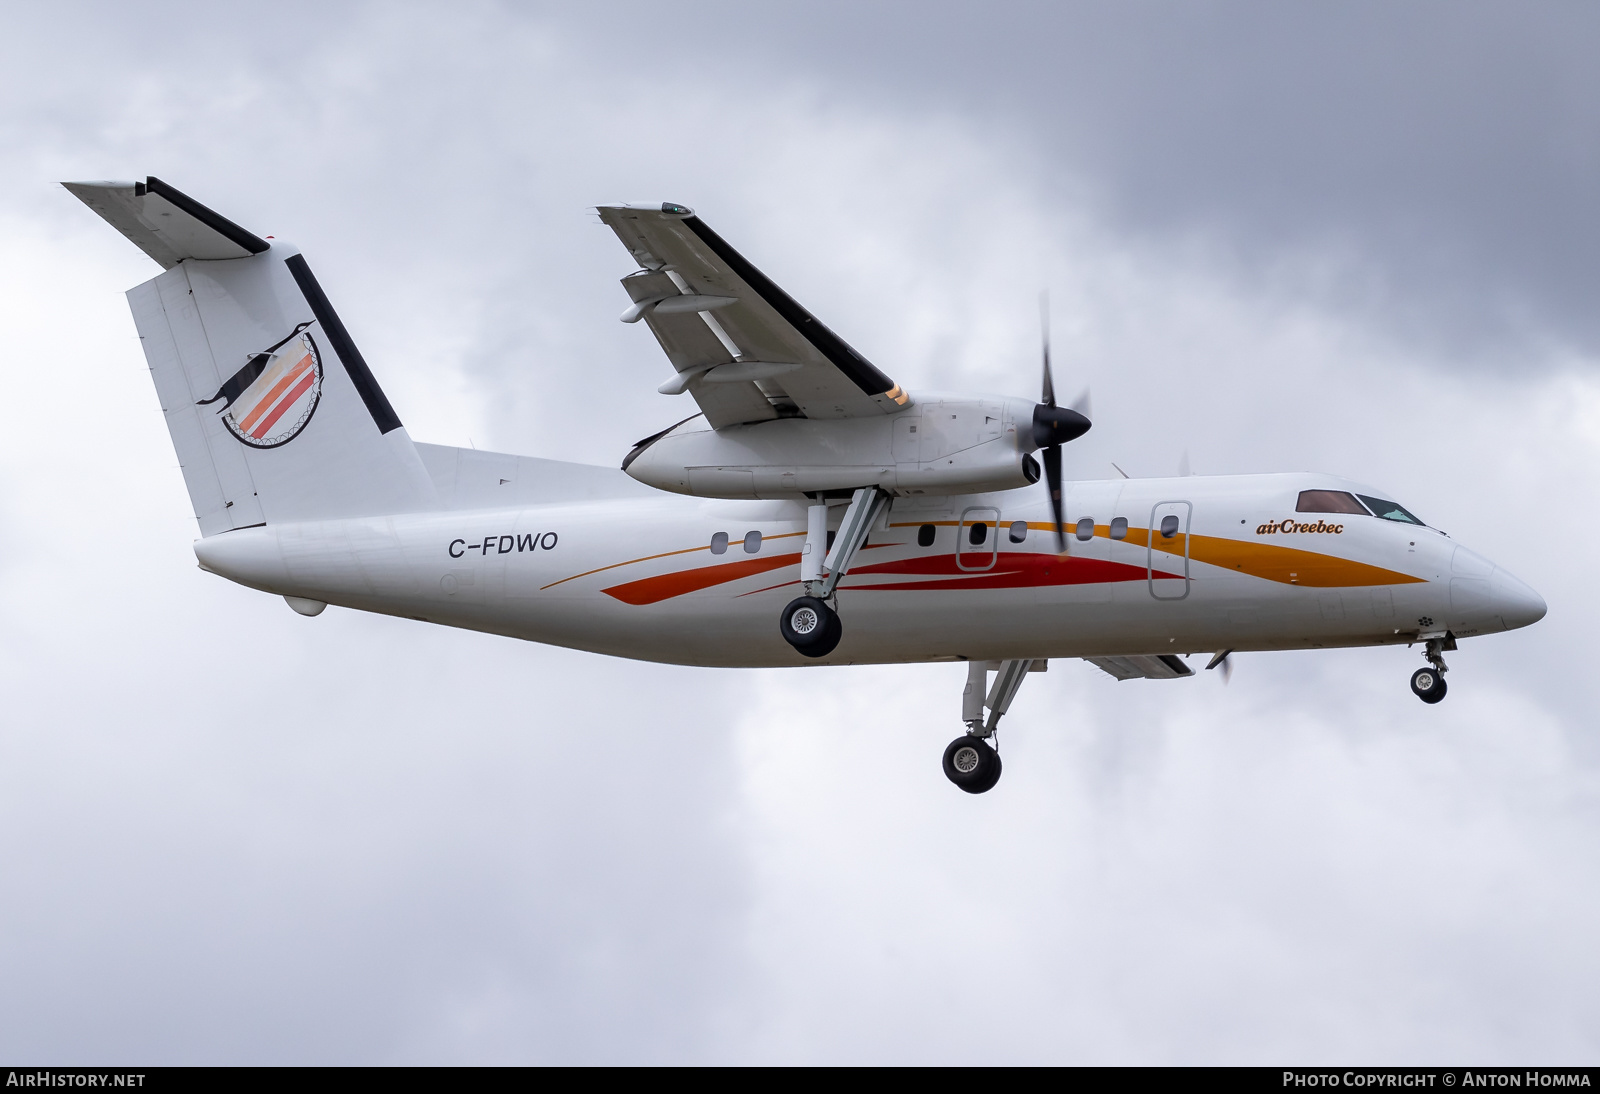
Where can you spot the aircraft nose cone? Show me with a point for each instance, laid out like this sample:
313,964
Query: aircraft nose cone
1516,602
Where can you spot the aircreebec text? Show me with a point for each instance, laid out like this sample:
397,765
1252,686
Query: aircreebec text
1284,527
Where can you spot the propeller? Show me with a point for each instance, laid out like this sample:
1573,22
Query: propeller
1224,661
1054,426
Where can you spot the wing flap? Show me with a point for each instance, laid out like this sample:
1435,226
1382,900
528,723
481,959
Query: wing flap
694,348
1164,666
749,320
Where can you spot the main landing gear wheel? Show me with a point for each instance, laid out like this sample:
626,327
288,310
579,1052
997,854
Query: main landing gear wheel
1428,685
810,626
971,764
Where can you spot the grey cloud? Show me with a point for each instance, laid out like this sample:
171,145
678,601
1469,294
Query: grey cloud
434,846
1448,152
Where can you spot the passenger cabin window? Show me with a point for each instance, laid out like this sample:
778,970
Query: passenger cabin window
719,543
752,542
1019,531
1169,526
1119,528
978,534
1388,510
925,535
1328,501
1085,529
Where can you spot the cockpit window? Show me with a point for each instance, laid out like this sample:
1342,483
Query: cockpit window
1328,501
1388,510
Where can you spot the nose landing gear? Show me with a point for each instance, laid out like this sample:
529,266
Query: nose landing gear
1428,684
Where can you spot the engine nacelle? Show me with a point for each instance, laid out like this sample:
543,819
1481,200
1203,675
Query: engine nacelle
938,445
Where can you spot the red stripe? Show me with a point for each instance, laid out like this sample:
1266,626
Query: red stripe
652,590
1013,570
288,401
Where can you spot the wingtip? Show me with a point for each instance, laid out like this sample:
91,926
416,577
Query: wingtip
74,186
665,208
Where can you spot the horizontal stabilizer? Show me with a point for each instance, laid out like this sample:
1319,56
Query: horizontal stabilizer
1162,666
166,224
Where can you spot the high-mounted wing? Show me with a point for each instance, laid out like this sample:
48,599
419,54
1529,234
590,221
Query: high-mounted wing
741,346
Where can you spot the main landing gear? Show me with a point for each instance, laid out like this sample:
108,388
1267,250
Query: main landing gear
810,626
972,764
810,623
972,761
1428,683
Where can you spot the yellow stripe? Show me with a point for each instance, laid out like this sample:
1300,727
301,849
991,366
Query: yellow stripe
1268,561
1272,562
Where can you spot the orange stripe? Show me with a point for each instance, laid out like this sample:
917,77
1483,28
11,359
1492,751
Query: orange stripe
288,401
648,558
277,389
652,590
1268,561
1274,562
1290,565
614,565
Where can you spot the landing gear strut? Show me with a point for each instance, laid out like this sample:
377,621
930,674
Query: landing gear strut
972,761
810,623
1428,683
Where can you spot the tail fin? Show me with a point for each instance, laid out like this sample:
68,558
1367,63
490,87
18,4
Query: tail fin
271,407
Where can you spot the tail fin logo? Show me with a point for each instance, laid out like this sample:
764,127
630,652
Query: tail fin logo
271,399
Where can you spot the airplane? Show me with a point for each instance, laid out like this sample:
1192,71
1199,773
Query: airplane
811,511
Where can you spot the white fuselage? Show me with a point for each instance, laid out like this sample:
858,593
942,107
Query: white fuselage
615,568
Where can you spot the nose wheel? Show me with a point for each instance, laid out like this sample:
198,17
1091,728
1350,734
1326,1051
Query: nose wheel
1428,685
972,764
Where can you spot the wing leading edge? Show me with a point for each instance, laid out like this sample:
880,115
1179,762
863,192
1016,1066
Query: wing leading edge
744,348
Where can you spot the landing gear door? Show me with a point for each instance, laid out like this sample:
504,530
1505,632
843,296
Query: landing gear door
1168,552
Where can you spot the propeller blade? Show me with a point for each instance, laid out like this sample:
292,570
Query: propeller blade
1048,396
1052,476
1082,404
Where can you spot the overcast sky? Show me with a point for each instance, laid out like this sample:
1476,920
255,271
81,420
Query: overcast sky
1360,239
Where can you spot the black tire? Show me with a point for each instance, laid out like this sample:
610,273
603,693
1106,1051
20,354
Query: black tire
971,764
1428,685
810,626
994,773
